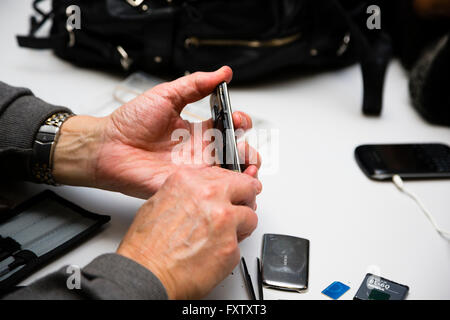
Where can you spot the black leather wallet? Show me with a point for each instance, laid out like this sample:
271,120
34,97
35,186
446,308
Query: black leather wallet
38,230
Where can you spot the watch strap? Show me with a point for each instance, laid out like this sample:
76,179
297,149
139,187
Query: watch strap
43,148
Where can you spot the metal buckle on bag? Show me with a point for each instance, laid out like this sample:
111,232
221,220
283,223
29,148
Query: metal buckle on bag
141,4
125,61
135,3
138,4
344,46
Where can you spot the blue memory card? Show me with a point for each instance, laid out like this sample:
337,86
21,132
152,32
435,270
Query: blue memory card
335,290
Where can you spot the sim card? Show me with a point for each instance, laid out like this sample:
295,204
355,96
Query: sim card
335,290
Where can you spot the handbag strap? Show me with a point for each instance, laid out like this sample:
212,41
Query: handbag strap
41,43
30,41
116,54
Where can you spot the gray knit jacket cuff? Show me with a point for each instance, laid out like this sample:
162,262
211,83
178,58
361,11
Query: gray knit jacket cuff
122,278
21,115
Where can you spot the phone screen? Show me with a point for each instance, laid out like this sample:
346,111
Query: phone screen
402,159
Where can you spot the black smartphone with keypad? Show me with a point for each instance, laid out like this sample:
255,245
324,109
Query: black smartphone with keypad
409,161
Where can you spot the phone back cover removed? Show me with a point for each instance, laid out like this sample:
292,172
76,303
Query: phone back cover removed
285,262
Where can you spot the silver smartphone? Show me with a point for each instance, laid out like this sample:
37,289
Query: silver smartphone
222,116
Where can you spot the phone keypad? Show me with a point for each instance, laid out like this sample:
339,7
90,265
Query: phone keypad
437,156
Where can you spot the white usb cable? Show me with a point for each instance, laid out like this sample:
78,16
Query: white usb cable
398,181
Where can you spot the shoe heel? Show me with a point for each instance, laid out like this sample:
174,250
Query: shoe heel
374,73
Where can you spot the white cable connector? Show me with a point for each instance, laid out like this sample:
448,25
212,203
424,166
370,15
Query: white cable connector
398,181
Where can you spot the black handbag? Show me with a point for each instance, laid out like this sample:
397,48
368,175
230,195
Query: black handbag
423,46
254,37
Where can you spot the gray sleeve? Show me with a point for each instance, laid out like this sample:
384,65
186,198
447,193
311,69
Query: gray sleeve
109,276
21,115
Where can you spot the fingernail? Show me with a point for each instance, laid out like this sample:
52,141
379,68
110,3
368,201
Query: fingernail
258,186
256,172
243,121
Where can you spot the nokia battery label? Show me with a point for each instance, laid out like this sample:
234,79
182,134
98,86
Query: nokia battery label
377,288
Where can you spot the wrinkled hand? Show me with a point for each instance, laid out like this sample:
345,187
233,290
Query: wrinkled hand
130,151
187,234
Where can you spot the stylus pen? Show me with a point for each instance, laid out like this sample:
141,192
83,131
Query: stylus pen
248,280
260,287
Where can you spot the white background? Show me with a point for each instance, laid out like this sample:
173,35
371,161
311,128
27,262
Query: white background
355,225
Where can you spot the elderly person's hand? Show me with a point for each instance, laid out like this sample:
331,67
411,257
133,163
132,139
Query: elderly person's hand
131,151
187,234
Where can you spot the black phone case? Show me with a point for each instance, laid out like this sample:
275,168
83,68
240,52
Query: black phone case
29,261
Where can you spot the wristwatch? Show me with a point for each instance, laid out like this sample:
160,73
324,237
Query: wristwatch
44,148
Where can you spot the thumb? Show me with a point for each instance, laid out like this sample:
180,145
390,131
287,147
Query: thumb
192,87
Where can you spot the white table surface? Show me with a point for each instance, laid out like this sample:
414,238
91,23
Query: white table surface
355,225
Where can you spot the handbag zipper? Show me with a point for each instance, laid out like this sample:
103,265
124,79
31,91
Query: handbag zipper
276,42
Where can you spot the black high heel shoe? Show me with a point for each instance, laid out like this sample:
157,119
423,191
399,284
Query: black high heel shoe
374,50
374,62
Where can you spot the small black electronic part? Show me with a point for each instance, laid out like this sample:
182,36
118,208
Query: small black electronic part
285,262
222,117
247,280
375,287
410,161
260,284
